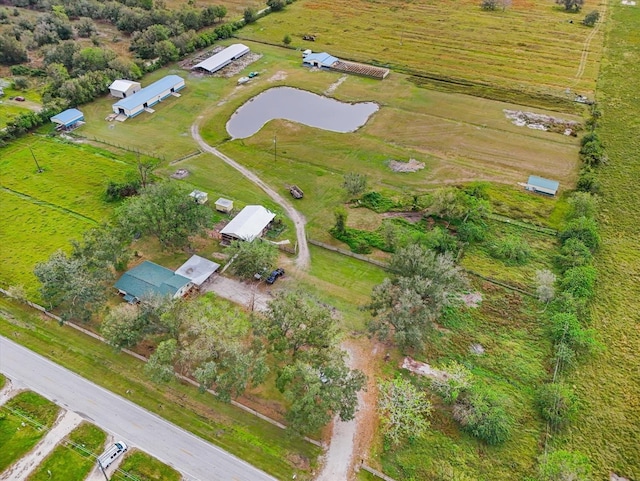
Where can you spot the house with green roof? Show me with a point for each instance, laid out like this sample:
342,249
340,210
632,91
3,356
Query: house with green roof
151,279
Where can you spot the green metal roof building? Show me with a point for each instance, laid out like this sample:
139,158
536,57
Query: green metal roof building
151,279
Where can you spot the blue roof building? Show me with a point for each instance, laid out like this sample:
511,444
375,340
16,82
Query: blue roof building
542,185
149,96
321,59
148,279
67,119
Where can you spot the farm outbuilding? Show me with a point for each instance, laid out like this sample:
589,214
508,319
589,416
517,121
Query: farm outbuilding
148,279
144,99
251,222
124,88
68,120
320,60
327,61
222,59
198,270
199,196
224,205
541,185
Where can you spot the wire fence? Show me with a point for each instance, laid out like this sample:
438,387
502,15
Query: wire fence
92,138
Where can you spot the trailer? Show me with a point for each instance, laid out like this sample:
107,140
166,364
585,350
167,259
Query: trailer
296,192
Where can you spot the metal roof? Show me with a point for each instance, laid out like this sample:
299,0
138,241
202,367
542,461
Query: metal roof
323,58
197,269
122,85
249,223
149,92
67,117
220,59
224,202
543,183
149,278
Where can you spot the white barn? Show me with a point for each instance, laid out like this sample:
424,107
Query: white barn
149,96
251,222
198,270
124,88
222,59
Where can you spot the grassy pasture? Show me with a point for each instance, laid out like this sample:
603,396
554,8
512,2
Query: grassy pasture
146,468
67,462
607,429
43,211
531,46
248,437
19,434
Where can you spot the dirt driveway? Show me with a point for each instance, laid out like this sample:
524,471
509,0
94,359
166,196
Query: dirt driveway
250,295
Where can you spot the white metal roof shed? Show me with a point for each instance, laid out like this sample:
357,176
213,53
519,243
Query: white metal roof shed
122,85
249,223
220,59
197,269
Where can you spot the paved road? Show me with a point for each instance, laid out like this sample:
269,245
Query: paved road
194,458
298,219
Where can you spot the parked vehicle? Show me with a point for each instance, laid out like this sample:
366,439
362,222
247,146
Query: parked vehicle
19,99
243,80
274,275
111,454
254,74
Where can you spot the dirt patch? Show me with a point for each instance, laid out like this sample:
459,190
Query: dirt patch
630,3
332,88
542,122
411,166
279,75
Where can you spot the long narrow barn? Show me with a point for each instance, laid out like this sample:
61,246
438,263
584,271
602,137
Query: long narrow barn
144,99
222,59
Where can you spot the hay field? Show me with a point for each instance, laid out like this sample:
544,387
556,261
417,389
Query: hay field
530,46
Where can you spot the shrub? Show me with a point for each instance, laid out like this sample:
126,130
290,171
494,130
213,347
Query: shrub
472,231
276,5
483,414
512,249
573,253
592,154
457,382
250,15
580,281
545,280
591,18
583,229
440,240
582,204
565,465
377,202
588,182
557,403
121,190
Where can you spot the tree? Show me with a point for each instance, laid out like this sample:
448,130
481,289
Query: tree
296,325
483,414
403,410
545,285
86,28
354,183
406,306
12,52
557,403
566,330
457,381
276,5
317,393
166,51
591,18
250,258
580,281
145,171
165,211
160,365
571,5
341,221
102,248
489,5
582,204
565,466
123,326
573,253
286,39
71,285
250,15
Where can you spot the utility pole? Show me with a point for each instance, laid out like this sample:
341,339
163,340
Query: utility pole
103,471
275,148
36,161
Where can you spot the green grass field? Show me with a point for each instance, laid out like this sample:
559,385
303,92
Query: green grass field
68,462
607,429
41,212
532,46
248,437
3,381
145,468
25,419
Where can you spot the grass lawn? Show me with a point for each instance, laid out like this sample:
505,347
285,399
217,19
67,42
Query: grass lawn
43,211
145,468
24,420
68,462
607,429
532,46
246,436
3,381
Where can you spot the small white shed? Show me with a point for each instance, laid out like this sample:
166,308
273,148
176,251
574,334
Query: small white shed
199,196
124,88
224,205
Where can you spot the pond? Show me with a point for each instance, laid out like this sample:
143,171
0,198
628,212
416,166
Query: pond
298,106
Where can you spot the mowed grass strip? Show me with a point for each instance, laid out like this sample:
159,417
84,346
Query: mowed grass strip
145,468
3,381
607,429
532,45
68,462
256,441
24,420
